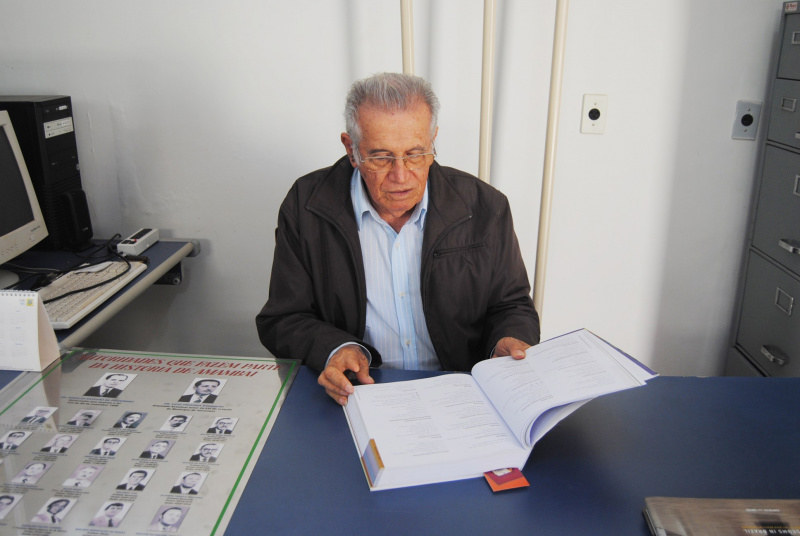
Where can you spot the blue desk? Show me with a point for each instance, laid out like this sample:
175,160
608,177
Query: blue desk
694,437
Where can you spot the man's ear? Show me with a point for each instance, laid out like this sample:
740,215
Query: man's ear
348,146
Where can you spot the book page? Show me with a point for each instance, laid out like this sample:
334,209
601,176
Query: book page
430,422
565,370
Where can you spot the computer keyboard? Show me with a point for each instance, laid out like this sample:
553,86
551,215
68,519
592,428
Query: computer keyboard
66,312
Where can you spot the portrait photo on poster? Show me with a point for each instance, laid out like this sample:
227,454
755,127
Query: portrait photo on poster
13,439
84,417
110,385
83,476
223,425
130,419
203,391
39,415
136,479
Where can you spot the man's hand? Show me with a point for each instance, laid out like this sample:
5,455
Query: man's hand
333,379
510,346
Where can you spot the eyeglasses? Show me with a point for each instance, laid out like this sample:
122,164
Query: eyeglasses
384,164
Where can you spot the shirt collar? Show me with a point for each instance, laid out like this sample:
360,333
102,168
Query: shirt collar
362,204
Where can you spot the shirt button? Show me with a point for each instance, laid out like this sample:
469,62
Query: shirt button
408,342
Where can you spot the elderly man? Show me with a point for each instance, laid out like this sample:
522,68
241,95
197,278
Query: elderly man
387,258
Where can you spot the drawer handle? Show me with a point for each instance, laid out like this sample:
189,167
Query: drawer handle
784,301
774,355
790,245
788,104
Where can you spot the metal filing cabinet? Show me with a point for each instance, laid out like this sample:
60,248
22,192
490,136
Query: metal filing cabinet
767,331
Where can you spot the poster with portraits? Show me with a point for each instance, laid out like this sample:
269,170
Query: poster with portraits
110,442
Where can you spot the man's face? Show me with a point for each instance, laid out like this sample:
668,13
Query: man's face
114,380
205,388
132,418
113,510
42,412
84,417
208,451
15,439
223,424
110,444
135,478
4,502
400,133
171,516
57,506
158,448
86,472
176,422
34,469
191,480
63,440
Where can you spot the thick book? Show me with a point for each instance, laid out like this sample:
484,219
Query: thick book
458,426
680,516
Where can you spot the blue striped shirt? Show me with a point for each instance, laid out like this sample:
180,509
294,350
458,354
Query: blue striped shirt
395,319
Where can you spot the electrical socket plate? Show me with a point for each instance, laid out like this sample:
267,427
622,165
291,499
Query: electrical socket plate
593,116
745,124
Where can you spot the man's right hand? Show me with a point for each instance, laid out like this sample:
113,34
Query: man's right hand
337,386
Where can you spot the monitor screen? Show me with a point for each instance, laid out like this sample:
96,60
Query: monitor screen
21,222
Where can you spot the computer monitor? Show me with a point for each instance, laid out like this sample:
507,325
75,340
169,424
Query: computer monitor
21,221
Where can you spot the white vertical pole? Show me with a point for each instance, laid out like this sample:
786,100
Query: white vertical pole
487,92
556,76
407,35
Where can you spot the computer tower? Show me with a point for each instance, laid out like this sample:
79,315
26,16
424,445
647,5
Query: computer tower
46,134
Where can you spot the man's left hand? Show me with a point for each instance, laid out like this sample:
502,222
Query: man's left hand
510,346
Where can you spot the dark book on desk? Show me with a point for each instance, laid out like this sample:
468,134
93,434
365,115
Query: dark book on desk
457,426
678,516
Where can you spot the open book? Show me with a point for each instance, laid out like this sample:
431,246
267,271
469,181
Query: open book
457,426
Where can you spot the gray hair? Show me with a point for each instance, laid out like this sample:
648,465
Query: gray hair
388,91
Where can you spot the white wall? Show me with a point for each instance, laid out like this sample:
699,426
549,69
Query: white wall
195,116
650,218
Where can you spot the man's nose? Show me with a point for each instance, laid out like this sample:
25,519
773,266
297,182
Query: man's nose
400,171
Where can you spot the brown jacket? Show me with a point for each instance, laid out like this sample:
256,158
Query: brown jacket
474,285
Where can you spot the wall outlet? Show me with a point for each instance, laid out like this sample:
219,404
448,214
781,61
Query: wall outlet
745,123
593,116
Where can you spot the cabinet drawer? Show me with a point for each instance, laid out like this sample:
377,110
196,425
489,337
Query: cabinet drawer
738,365
789,63
770,321
777,227
784,122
